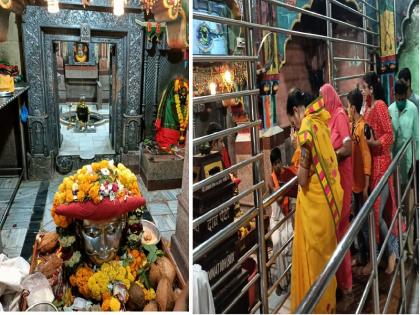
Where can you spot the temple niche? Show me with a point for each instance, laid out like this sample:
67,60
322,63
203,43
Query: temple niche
97,82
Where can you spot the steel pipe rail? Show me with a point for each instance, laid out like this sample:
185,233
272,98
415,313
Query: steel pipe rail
281,303
243,291
349,77
235,266
318,15
282,248
256,307
337,3
223,20
222,58
351,59
224,205
223,133
279,224
388,234
255,149
225,172
312,297
280,192
391,287
369,5
365,294
277,282
223,96
222,235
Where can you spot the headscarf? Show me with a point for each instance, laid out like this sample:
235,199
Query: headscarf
332,102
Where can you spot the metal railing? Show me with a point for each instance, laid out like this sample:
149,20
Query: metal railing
321,283
256,211
251,57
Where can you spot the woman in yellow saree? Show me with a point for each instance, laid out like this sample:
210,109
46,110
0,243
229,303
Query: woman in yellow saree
319,199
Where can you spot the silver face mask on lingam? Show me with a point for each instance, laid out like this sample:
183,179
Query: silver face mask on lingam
101,239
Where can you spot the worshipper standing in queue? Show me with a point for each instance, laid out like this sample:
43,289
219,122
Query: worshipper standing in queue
219,144
362,164
405,76
319,199
405,123
279,210
380,139
341,142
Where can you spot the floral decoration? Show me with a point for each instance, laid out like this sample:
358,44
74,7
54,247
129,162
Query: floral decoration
94,182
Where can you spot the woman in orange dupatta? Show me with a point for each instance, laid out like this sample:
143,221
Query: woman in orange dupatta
319,199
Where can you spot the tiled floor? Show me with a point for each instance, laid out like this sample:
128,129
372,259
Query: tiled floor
161,204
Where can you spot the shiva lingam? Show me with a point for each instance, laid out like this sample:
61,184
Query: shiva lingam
101,238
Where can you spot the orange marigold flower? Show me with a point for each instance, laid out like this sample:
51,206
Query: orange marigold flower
96,166
80,196
106,305
69,196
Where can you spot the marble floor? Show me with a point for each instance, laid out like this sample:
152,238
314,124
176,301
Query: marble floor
86,144
30,213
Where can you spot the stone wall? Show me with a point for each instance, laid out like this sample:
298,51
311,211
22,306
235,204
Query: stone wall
292,74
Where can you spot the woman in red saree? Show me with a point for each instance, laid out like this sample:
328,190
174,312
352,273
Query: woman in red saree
380,141
341,141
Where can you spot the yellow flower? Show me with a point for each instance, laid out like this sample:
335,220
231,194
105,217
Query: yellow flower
69,196
114,304
80,196
150,294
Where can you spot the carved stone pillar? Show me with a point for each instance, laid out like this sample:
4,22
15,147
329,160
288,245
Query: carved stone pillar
180,241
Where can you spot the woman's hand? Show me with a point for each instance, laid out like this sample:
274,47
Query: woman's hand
372,143
293,138
344,151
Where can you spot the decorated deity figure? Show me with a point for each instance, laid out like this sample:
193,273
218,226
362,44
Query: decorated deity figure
172,116
81,52
101,256
268,100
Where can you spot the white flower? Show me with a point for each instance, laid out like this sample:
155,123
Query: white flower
102,187
110,163
112,196
120,186
89,169
109,186
105,171
75,187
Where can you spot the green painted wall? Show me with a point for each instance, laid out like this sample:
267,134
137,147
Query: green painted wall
408,55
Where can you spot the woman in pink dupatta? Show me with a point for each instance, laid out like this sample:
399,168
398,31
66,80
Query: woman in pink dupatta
340,138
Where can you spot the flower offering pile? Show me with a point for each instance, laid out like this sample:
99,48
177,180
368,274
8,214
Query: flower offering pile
139,277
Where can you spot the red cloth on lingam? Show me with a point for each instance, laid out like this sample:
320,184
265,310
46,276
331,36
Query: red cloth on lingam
106,209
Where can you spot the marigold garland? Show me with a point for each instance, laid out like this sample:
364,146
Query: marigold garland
182,117
80,280
94,182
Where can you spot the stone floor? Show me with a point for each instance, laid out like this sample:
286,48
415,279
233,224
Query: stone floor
30,212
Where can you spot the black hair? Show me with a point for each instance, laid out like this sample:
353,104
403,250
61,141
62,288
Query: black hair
355,98
405,74
372,80
297,98
214,127
400,88
275,155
